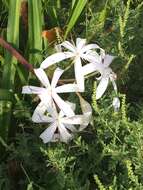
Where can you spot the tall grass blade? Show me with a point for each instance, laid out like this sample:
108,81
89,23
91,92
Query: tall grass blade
75,15
9,68
35,30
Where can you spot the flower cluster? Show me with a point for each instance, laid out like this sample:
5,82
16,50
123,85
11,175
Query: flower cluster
52,108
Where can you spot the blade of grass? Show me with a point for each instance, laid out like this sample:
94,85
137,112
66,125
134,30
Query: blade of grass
9,68
75,15
35,31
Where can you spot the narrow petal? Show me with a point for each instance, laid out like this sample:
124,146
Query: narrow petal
40,73
84,125
80,43
91,56
108,60
65,136
114,84
72,105
75,120
67,88
63,105
52,110
79,74
85,106
91,67
90,47
38,115
101,88
68,46
87,112
71,127
57,74
51,107
47,135
57,57
116,104
46,98
32,90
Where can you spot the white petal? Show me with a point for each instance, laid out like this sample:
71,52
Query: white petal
70,127
38,115
45,97
72,105
53,110
67,88
87,112
79,74
65,136
108,60
68,46
91,67
57,57
47,135
114,84
90,47
57,74
85,106
91,56
75,120
80,43
101,88
40,73
83,126
116,104
32,90
63,105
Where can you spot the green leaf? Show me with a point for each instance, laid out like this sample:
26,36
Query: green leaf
35,30
9,69
75,15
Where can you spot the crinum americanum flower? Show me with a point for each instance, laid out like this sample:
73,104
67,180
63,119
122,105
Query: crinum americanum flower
49,92
61,127
78,52
105,71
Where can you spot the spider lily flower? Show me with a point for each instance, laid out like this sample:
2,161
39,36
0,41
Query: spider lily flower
49,92
102,66
78,52
61,127
106,75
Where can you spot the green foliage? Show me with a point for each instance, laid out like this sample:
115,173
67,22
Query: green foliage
108,154
9,67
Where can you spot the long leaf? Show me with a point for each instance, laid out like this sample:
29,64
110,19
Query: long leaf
75,15
9,69
35,30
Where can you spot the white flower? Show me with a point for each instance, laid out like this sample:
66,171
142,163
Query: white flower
61,127
78,52
49,92
106,74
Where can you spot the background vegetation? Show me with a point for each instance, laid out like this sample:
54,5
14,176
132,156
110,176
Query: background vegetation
108,154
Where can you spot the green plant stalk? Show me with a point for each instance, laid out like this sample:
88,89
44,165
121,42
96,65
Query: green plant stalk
9,69
35,31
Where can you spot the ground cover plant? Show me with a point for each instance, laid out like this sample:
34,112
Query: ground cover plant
47,69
